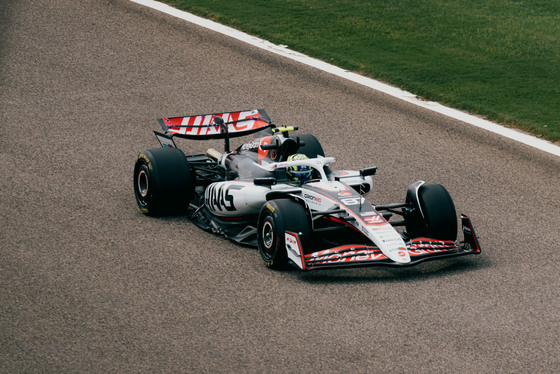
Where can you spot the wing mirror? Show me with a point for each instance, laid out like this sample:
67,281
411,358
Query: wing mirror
264,181
368,171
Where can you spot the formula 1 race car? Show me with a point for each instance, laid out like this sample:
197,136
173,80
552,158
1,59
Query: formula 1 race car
277,192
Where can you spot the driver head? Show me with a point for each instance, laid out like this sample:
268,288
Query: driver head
299,173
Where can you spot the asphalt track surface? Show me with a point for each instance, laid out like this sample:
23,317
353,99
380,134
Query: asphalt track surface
89,284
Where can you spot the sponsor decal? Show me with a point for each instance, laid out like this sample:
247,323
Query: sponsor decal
312,198
418,252
391,240
240,126
372,217
374,220
292,243
432,245
218,197
347,256
424,247
291,240
264,153
350,201
293,249
145,158
210,128
251,146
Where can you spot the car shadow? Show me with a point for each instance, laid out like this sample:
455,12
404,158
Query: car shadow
367,274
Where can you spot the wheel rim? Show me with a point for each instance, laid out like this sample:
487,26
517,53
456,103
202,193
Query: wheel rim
268,234
143,185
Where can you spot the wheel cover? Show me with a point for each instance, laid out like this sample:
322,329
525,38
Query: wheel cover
143,185
268,234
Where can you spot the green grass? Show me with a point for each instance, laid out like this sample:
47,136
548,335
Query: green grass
496,58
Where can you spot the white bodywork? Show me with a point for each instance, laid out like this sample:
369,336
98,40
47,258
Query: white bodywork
238,198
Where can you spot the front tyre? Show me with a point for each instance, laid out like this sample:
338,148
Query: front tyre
163,182
433,215
275,219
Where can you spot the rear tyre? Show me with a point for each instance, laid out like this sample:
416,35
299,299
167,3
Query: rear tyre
275,218
163,182
434,215
312,147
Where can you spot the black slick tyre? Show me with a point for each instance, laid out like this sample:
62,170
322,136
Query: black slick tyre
275,219
163,182
312,147
434,215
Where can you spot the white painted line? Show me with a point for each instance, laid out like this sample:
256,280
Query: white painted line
368,82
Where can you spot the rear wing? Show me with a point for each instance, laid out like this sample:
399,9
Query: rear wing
217,125
214,126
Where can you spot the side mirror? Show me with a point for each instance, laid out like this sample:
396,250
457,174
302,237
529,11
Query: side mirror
274,145
264,181
368,171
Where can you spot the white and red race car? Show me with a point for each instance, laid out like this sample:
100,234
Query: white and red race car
277,192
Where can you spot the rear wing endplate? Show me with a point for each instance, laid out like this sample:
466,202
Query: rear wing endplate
165,140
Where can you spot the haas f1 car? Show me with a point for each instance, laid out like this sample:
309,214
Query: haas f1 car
278,193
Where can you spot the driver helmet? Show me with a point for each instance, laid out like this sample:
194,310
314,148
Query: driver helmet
299,173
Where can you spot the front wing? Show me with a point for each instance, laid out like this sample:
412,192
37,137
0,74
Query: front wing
420,250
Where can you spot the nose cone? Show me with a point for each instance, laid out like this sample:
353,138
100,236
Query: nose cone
396,253
389,242
399,255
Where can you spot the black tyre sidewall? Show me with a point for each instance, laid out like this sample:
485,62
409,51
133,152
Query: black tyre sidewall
144,201
170,184
440,216
312,147
282,215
